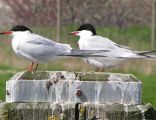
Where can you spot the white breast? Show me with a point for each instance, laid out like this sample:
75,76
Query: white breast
18,39
15,45
83,43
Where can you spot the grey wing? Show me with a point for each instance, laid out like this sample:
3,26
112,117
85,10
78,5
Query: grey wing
125,47
116,50
101,43
42,49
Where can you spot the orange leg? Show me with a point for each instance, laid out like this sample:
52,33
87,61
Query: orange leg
97,69
102,70
36,67
31,67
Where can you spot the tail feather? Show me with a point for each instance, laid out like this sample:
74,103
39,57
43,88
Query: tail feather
85,53
146,52
141,55
95,53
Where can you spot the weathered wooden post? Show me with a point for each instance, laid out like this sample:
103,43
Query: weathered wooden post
74,96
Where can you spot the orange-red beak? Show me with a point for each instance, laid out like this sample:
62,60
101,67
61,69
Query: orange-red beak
73,33
6,33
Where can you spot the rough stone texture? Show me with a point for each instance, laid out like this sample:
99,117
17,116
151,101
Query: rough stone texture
63,86
116,112
36,111
69,111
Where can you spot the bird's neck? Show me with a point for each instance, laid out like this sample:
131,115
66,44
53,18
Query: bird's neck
83,41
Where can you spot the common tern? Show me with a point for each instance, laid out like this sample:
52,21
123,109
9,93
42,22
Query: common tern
36,48
89,40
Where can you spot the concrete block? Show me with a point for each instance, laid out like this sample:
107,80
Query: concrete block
73,87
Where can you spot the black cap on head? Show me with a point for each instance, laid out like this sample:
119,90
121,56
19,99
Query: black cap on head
87,27
20,28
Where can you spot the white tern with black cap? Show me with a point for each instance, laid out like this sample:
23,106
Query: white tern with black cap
89,40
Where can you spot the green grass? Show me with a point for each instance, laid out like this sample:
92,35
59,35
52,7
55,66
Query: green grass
6,67
3,78
149,88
